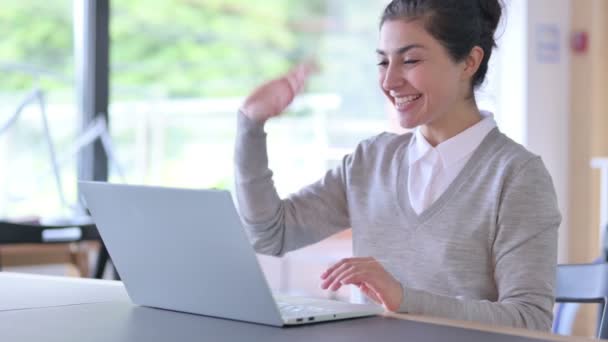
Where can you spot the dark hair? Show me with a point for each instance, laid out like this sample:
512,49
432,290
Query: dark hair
459,25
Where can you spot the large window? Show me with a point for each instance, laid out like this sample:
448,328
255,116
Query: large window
180,70
36,54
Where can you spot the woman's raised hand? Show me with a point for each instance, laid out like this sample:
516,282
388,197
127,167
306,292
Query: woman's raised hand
271,98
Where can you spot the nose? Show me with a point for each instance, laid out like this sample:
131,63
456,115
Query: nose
392,78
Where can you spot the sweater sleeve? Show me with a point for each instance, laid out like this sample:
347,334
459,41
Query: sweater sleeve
277,226
524,255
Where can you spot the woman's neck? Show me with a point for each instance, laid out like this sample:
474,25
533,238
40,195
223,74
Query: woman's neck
451,124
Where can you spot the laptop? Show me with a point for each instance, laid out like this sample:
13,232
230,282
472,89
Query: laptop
186,250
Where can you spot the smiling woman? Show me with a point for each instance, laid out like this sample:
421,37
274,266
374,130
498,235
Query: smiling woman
432,59
454,219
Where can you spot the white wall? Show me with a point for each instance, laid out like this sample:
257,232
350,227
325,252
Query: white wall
510,72
548,101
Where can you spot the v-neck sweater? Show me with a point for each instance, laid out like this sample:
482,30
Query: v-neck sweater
431,169
485,250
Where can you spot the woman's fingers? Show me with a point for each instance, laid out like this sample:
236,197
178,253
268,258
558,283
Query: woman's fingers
367,274
331,277
340,278
333,267
346,267
335,273
271,98
353,277
353,261
297,77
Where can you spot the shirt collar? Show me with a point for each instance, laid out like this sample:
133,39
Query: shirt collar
455,148
418,147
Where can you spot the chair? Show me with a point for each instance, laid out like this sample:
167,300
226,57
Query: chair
584,283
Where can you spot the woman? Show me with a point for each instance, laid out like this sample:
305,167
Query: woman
454,219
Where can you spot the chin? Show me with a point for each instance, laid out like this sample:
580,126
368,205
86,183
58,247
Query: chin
407,122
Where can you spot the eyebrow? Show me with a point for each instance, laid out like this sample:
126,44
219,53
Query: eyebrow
402,49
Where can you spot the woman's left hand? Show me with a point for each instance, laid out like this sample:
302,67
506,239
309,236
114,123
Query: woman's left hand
371,278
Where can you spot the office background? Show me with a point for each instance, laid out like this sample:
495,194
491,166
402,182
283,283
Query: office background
168,76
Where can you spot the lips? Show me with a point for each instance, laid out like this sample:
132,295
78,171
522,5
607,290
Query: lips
403,103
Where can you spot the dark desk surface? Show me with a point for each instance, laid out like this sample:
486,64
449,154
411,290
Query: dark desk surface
48,309
124,322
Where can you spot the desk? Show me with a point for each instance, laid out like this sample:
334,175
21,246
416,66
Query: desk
100,311
25,291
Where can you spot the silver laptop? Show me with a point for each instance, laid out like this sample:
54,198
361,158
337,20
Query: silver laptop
186,250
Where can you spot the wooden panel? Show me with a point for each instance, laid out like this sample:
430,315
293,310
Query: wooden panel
76,254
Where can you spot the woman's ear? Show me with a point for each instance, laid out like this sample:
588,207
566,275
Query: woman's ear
472,62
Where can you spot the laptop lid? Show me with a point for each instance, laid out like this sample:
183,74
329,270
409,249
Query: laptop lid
182,250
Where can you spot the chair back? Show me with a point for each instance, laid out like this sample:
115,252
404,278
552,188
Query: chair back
584,283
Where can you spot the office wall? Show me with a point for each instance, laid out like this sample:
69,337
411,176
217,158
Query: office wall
547,96
582,237
599,96
589,125
588,138
510,66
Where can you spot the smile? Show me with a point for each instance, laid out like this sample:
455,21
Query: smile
401,102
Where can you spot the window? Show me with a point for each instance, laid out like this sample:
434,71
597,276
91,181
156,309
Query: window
36,52
180,70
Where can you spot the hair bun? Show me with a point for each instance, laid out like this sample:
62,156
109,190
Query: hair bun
491,11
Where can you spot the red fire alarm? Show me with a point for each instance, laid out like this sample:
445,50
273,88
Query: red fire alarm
580,42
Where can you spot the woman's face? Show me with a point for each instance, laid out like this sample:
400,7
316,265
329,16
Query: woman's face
417,75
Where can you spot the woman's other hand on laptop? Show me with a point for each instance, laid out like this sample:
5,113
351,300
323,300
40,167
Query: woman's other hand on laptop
271,98
370,276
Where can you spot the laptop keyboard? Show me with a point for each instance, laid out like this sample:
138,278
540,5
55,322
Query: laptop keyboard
291,310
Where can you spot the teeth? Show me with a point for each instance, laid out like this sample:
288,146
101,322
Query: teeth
406,99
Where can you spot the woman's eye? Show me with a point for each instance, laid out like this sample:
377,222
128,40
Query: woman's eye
411,61
383,63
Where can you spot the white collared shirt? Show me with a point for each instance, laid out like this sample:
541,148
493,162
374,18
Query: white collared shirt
432,169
